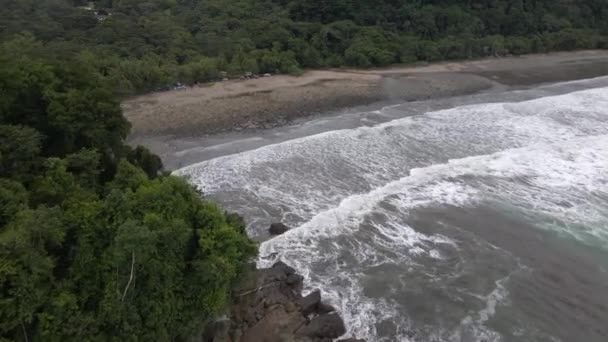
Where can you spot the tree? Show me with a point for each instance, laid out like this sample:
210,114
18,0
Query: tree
19,152
70,107
144,159
96,243
141,46
370,47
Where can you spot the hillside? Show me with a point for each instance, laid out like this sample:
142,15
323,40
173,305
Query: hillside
146,45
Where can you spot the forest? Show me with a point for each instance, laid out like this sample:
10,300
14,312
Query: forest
145,45
97,241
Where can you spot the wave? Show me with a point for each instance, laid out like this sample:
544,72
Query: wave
578,165
305,176
350,195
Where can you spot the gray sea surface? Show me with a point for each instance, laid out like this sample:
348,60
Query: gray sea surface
476,218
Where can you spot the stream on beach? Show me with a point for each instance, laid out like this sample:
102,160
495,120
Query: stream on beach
475,218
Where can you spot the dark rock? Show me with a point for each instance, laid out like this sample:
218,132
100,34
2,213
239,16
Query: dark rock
275,326
236,335
290,307
323,326
273,296
277,273
351,340
323,308
309,303
295,281
283,266
277,228
218,331
268,306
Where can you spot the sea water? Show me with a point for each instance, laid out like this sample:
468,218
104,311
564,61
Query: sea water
479,222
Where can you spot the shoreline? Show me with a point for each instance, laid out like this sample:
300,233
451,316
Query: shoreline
269,304
274,101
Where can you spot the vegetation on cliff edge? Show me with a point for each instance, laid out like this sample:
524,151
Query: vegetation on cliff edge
96,243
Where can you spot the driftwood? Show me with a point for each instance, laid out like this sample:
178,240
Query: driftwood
130,277
258,288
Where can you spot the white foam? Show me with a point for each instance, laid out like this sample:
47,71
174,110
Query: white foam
549,165
473,326
578,163
592,100
532,155
312,174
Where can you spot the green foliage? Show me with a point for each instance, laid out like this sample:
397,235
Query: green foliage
141,46
13,199
147,161
96,244
369,47
19,151
67,104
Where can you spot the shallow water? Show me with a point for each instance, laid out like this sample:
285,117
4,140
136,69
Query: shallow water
480,218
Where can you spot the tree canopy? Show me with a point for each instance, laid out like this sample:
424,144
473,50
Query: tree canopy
142,45
96,242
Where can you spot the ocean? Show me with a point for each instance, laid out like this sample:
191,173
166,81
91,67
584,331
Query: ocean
477,218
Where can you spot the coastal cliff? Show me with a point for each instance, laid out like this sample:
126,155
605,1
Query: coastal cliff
268,306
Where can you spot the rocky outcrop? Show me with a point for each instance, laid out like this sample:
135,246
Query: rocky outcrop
277,228
309,303
323,326
268,307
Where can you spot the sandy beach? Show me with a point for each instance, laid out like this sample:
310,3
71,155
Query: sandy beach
272,101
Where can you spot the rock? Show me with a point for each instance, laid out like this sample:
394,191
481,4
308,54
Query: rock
236,335
277,228
268,307
323,326
309,303
295,281
278,272
218,331
323,308
274,297
351,340
274,327
290,307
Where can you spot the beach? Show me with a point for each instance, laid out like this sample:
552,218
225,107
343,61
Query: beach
271,101
206,121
